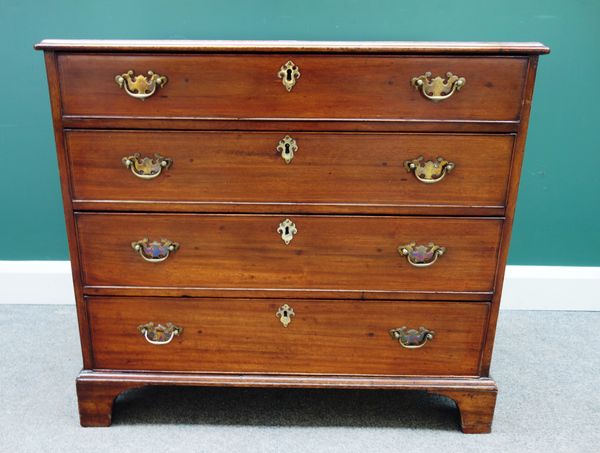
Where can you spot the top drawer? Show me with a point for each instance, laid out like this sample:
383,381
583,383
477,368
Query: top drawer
329,87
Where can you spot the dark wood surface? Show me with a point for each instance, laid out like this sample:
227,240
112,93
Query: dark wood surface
244,171
475,397
476,409
247,86
324,336
515,177
63,165
356,119
327,253
410,125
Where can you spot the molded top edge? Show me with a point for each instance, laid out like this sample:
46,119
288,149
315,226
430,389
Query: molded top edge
399,47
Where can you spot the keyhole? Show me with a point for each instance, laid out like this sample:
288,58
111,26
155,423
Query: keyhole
285,314
287,230
287,148
289,74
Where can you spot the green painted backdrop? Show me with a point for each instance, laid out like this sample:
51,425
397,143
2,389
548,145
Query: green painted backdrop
558,214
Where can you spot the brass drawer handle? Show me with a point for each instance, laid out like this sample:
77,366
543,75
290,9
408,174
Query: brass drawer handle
285,313
421,255
429,172
289,74
412,338
287,147
287,229
140,87
438,89
146,167
158,334
155,251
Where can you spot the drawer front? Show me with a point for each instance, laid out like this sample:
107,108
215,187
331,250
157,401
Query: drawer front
224,168
323,336
325,253
335,87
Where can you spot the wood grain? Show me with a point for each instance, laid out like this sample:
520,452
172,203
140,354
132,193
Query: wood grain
97,390
476,409
328,252
515,178
291,124
324,337
356,119
66,194
247,86
231,170
355,47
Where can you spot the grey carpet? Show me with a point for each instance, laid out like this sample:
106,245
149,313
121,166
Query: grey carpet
547,365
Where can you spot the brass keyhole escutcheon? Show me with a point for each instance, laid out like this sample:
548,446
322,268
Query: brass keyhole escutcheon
285,313
289,74
287,147
287,229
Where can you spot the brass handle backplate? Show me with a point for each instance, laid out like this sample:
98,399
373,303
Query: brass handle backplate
412,338
158,334
287,147
289,74
429,172
140,87
437,89
421,255
285,313
155,251
287,229
146,167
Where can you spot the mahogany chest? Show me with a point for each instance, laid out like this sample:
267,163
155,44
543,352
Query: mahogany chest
289,214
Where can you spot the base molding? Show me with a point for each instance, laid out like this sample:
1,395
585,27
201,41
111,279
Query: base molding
474,397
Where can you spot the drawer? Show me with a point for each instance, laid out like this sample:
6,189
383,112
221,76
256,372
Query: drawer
247,171
329,87
326,253
323,336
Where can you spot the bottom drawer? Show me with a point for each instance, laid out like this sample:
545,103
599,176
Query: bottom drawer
322,337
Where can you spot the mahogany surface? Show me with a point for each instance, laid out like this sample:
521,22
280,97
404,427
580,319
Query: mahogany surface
356,119
330,86
324,336
328,252
245,172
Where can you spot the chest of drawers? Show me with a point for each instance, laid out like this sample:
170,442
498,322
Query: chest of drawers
289,214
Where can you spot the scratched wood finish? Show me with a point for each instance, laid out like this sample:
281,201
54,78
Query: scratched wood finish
330,86
334,337
328,252
360,172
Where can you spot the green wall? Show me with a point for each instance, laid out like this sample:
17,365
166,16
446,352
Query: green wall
558,205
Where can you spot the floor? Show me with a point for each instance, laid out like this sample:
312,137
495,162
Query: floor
547,365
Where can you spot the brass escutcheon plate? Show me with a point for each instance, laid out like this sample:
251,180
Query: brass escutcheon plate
429,172
287,147
437,89
289,74
412,338
139,86
285,314
287,229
